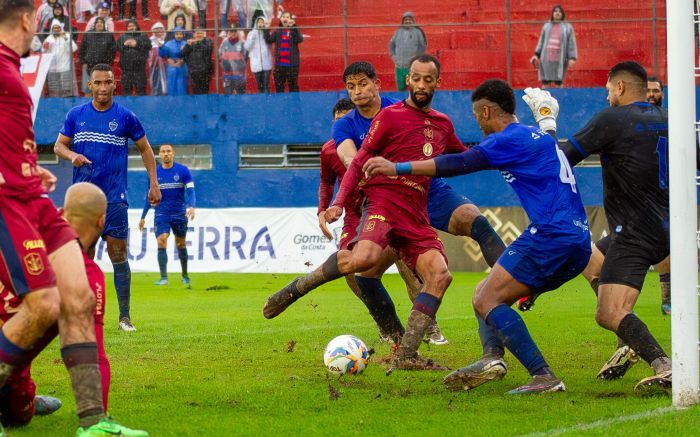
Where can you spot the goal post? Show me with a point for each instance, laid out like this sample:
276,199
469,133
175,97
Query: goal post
680,36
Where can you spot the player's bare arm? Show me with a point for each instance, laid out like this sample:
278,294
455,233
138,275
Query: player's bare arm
62,150
48,179
346,151
190,213
149,161
381,166
350,181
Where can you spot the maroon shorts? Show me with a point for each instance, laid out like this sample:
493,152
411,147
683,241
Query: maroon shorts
29,231
350,223
409,233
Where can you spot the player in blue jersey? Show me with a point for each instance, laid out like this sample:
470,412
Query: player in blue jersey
447,210
553,249
94,138
175,209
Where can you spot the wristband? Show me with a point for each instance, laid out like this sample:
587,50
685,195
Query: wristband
402,168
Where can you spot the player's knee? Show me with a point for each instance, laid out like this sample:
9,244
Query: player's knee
443,279
80,301
605,317
462,219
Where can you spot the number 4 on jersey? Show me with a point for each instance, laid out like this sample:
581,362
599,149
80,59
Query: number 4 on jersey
565,173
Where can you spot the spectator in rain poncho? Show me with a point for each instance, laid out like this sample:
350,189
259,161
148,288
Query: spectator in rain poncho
232,53
176,69
156,65
408,41
260,56
556,49
60,78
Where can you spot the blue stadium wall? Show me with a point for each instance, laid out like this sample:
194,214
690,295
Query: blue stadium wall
226,121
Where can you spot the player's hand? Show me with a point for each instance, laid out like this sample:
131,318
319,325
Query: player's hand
48,180
379,166
535,61
571,62
190,214
544,107
142,224
79,160
2,179
323,224
333,213
154,195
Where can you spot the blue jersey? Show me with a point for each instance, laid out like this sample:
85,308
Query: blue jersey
354,126
175,183
102,137
534,166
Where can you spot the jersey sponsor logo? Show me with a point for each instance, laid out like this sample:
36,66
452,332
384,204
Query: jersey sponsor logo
545,111
33,244
33,263
507,176
412,184
372,130
113,125
376,217
427,149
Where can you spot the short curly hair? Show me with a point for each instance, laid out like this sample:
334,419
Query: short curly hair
498,92
359,67
343,105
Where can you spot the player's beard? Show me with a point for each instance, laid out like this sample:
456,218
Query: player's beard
422,103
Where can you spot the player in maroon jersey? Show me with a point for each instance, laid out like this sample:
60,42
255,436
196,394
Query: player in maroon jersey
395,213
42,264
85,209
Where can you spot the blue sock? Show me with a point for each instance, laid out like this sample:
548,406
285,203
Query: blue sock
516,338
490,243
163,262
491,343
122,284
427,304
182,254
379,304
10,353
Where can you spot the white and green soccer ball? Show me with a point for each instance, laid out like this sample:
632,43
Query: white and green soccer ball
346,355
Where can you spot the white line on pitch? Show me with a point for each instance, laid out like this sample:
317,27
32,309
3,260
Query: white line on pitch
604,422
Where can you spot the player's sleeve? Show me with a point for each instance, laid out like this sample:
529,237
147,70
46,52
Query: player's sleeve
190,199
454,145
352,177
341,131
68,128
598,134
455,164
136,131
326,183
497,153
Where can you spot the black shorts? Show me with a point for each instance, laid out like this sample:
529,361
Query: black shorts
627,262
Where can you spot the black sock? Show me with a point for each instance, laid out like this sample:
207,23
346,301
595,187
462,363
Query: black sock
490,243
182,254
637,336
380,305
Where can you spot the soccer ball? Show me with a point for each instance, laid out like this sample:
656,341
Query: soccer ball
346,355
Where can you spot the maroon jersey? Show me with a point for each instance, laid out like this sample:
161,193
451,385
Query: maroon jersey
401,133
17,146
332,169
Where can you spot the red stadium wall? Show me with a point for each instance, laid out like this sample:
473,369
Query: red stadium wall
469,36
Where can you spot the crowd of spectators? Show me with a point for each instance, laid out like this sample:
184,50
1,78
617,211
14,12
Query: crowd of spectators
177,57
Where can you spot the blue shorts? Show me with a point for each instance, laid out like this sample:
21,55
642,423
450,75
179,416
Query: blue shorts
163,224
543,264
442,202
117,222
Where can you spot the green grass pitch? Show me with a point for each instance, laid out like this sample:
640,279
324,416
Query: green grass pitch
206,363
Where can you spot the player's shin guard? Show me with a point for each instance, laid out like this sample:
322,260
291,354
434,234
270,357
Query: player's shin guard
419,320
182,254
328,271
122,284
637,336
517,338
81,361
163,262
490,243
380,306
491,343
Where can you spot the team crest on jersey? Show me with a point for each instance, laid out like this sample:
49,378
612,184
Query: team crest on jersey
428,133
428,149
113,125
34,264
176,177
369,227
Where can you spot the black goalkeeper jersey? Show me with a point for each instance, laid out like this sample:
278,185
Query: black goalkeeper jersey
632,141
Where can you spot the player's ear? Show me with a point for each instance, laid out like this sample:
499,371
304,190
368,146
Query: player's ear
26,21
101,221
438,82
378,82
